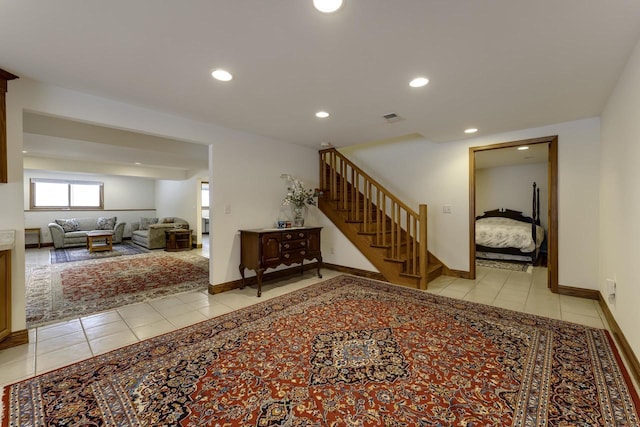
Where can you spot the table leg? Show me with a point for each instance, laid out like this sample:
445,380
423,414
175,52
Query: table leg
259,276
241,267
319,265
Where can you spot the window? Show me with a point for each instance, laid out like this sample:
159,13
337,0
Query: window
66,194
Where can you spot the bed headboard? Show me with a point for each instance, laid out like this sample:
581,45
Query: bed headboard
506,213
517,215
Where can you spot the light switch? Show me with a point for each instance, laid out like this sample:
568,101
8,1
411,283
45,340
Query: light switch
227,209
611,286
446,209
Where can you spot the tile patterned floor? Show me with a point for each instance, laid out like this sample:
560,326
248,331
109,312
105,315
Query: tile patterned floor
60,344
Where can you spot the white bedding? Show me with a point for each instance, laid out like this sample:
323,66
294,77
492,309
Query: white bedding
507,233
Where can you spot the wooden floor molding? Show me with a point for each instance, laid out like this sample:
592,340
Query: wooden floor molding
632,361
14,339
355,271
579,292
236,284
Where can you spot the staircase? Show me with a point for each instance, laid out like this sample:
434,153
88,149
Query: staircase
389,234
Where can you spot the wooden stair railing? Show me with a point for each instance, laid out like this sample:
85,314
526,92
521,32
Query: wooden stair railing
391,225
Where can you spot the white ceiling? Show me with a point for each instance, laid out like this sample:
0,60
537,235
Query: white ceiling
55,138
497,65
536,153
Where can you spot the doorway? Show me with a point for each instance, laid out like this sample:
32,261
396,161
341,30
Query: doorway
552,203
204,212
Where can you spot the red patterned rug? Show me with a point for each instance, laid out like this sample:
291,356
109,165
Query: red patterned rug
345,352
62,291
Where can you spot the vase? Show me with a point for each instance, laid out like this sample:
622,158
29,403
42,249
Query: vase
298,216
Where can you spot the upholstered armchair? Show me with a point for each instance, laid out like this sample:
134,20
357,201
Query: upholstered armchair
150,232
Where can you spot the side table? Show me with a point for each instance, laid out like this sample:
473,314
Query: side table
99,241
178,239
32,231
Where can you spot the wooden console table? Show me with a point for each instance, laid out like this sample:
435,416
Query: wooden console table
270,247
33,231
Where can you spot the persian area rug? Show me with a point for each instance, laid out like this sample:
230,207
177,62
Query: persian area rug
505,265
82,254
345,352
63,291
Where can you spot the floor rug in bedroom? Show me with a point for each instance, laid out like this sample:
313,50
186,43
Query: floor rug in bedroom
346,351
81,253
72,289
505,265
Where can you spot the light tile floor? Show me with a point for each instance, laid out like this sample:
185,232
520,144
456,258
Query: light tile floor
63,343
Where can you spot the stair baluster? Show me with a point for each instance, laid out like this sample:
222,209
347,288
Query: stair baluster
370,215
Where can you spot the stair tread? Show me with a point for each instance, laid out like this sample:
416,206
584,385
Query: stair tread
396,260
341,203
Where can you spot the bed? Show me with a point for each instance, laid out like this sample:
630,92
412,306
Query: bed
505,234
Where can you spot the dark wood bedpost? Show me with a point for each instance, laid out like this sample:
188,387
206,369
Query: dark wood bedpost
536,209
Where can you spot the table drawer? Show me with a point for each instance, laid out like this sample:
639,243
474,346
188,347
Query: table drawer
292,245
294,255
294,235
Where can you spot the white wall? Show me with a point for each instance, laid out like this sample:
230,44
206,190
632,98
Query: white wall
179,198
620,200
128,198
511,187
438,174
245,174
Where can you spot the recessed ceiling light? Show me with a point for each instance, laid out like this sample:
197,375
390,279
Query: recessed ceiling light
222,75
419,82
24,151
327,6
471,130
322,114
137,163
523,148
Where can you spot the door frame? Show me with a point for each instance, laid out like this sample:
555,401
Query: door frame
552,232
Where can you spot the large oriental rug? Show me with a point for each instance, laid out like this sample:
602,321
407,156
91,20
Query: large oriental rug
345,352
62,291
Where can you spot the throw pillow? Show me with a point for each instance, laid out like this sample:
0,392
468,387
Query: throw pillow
146,222
107,223
68,225
168,220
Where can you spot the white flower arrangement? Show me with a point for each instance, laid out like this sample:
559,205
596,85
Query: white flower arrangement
298,195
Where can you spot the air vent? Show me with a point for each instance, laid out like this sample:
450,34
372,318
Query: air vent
392,117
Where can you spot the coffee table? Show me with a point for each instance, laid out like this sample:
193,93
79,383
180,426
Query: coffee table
100,241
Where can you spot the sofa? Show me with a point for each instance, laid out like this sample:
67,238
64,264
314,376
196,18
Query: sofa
150,232
69,232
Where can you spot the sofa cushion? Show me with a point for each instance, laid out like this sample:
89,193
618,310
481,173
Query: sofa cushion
68,225
106,223
146,222
79,233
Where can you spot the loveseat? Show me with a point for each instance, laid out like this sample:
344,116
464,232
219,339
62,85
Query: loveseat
150,232
73,231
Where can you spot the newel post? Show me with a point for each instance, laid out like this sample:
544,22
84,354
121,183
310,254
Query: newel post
424,252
